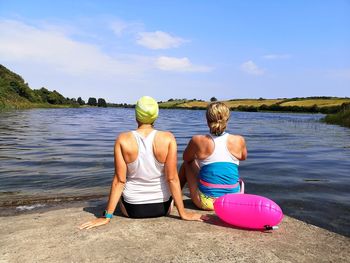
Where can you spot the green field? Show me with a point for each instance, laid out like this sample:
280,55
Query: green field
251,102
318,102
236,103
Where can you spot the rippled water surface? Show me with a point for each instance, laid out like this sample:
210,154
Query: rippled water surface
302,164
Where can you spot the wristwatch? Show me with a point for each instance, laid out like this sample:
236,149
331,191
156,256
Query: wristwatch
106,215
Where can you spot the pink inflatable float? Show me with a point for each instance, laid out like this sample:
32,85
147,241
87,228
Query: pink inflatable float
248,211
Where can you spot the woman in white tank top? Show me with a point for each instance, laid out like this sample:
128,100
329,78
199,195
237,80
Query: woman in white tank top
211,161
146,182
145,178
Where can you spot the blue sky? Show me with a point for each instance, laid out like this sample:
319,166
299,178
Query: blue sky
121,50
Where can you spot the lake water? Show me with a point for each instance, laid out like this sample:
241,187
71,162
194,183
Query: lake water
299,162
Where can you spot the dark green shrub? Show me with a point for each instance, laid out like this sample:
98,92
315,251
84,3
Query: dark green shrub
101,103
92,101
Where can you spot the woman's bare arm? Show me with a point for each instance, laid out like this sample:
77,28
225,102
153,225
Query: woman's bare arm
237,147
119,178
244,149
117,187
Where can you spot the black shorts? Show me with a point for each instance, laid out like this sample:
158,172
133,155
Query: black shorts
147,210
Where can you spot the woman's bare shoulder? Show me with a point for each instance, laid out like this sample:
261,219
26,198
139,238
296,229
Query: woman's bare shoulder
233,138
200,138
124,137
165,136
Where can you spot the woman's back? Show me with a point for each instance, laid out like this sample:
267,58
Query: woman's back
145,151
160,145
219,153
218,174
203,146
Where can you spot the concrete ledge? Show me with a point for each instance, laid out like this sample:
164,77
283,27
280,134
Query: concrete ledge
53,236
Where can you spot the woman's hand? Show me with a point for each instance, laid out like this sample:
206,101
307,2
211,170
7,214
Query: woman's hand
188,216
94,223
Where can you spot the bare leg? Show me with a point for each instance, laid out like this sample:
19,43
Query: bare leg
191,173
182,176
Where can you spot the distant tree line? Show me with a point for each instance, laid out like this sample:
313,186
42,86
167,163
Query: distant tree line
80,101
93,102
44,95
53,97
184,99
212,99
120,105
306,98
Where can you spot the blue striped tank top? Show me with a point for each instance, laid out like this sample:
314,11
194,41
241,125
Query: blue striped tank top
218,174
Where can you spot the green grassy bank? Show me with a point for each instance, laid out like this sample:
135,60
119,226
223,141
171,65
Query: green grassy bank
340,118
15,93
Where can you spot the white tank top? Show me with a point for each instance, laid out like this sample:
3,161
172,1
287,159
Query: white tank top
220,153
145,178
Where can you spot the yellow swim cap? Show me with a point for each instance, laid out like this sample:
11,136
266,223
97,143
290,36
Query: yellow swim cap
146,110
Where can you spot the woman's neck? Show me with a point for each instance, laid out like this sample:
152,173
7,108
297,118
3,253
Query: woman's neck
143,126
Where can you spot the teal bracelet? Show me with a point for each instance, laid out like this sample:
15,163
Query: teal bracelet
106,215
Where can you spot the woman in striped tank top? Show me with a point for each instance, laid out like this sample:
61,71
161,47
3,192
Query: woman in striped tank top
211,161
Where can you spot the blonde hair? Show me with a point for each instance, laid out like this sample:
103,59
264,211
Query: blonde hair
217,116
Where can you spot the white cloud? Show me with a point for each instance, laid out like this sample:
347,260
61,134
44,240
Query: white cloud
52,56
51,48
276,56
159,40
179,65
120,27
251,68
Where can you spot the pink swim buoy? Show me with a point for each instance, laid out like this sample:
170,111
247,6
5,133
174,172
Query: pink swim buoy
248,211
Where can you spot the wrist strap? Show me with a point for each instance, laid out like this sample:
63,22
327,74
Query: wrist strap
106,215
